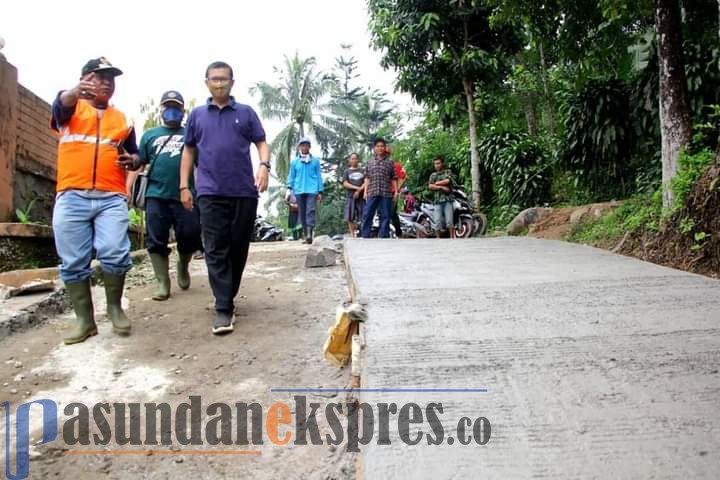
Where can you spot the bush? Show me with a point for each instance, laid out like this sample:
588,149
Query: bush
691,167
329,219
519,167
425,142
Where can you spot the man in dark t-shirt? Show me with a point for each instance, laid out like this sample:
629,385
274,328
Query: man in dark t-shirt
161,149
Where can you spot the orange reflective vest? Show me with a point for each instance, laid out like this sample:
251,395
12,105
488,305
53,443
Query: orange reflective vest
88,150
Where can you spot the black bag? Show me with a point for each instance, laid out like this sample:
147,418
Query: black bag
140,184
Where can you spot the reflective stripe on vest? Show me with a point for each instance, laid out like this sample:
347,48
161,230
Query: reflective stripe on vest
69,137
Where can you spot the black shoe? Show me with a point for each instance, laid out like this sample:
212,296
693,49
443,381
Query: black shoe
224,323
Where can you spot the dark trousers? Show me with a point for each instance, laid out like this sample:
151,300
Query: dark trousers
292,220
395,219
160,215
227,227
306,208
383,205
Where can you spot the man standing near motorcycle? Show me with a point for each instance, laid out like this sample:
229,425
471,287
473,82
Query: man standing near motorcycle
441,183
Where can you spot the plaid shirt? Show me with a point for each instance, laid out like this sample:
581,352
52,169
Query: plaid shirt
380,173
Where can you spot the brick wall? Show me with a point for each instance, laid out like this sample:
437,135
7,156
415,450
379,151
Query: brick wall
8,136
36,147
28,150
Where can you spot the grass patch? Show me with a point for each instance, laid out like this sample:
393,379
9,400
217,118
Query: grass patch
641,211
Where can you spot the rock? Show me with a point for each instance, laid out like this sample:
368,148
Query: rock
19,377
526,218
322,253
17,364
578,214
13,391
596,210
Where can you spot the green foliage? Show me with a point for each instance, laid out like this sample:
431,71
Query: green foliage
519,167
417,151
425,42
500,216
293,99
641,211
330,212
135,218
691,167
24,215
598,137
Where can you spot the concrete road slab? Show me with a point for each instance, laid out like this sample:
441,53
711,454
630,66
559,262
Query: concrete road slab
596,365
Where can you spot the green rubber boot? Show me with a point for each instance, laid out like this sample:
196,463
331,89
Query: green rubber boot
81,299
113,293
183,274
161,267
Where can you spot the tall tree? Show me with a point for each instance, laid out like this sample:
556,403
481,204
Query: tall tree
294,98
342,98
443,50
675,120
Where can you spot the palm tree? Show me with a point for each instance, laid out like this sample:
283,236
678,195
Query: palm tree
359,120
293,99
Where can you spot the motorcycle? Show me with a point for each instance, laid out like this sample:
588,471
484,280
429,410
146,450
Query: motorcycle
466,221
375,229
265,231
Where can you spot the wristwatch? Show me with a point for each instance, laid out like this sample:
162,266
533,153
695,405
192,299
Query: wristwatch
266,165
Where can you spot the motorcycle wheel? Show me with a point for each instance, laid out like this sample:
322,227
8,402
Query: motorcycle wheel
480,224
426,229
465,229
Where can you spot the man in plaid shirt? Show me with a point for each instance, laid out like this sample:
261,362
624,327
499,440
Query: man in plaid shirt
380,191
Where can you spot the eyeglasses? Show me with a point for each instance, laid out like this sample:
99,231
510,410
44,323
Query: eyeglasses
219,80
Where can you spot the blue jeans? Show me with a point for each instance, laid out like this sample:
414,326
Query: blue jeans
443,213
83,224
306,208
384,205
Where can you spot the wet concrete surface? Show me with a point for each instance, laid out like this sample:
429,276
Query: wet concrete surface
595,365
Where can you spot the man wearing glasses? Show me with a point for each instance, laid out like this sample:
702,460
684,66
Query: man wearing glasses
218,136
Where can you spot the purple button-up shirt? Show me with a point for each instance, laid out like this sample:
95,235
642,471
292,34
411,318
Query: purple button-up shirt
222,138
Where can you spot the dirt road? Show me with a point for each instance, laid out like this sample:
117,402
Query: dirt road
284,311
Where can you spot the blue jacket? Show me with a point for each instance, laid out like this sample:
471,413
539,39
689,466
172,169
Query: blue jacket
305,177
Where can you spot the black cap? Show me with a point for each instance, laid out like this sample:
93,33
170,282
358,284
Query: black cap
100,65
172,96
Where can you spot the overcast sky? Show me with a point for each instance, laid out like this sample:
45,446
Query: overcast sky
162,45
